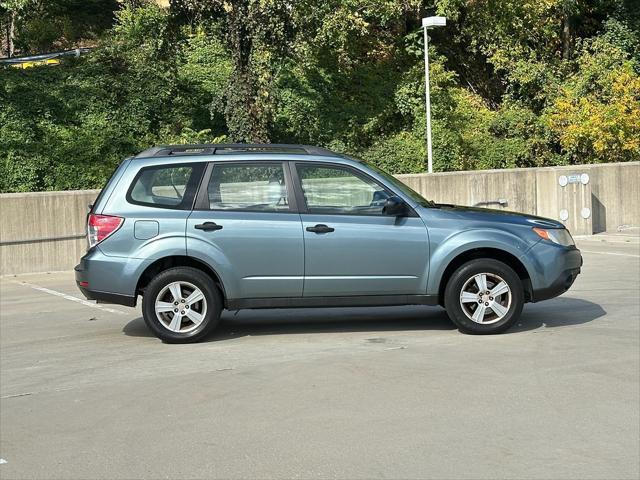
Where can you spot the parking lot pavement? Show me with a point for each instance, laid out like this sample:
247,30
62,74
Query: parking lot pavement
87,392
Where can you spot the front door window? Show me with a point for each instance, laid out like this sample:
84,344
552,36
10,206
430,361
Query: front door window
334,190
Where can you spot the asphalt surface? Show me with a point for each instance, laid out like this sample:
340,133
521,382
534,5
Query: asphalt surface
87,392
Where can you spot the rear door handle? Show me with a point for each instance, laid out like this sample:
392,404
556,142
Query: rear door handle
208,226
320,228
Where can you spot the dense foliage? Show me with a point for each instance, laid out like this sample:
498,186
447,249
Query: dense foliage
515,83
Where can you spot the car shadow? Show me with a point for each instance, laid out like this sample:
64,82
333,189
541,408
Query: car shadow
553,313
317,320
557,312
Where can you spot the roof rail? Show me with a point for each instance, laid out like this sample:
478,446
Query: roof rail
231,148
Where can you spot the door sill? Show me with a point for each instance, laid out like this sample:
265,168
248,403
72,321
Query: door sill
324,302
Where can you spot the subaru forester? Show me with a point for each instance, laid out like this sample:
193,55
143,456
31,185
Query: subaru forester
195,229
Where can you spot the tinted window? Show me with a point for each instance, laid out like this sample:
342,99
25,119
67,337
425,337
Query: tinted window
338,190
166,186
260,188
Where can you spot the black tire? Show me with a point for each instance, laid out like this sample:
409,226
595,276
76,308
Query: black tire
195,277
467,271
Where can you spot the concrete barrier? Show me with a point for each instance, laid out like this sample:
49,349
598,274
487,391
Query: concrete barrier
45,231
610,192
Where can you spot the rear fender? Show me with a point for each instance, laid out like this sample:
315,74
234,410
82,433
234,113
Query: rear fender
212,256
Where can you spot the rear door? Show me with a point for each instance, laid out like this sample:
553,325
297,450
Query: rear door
247,227
351,247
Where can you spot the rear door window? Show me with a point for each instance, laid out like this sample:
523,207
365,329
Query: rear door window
248,187
166,186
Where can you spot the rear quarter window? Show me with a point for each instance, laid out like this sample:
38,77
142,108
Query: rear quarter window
166,186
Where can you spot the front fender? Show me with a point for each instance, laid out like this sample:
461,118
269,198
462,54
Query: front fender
444,252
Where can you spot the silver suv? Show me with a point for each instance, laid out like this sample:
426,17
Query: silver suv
194,229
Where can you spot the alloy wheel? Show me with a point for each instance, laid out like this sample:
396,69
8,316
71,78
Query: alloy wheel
485,298
181,307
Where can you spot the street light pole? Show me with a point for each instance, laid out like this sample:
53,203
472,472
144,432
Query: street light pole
426,23
427,95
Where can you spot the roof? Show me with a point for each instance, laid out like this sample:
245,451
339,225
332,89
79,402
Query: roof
234,148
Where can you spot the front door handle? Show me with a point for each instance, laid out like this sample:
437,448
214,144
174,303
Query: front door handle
208,226
320,228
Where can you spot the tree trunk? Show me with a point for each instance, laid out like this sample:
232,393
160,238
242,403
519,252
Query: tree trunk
566,36
246,113
11,34
5,40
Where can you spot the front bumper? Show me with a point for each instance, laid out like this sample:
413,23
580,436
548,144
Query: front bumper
558,287
559,268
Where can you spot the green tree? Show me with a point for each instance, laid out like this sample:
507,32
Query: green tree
12,10
596,116
67,126
514,83
38,26
257,36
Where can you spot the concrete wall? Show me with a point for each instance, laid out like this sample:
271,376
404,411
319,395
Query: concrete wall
31,220
37,229
612,193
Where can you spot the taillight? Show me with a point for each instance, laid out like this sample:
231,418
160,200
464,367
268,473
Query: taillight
100,227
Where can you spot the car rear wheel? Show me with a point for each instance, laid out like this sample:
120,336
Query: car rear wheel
484,296
181,305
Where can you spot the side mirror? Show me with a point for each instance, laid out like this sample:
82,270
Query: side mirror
394,206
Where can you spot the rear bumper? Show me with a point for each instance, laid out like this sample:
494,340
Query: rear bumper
106,297
561,268
84,281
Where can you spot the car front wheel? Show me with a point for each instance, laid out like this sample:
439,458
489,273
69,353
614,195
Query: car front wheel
484,296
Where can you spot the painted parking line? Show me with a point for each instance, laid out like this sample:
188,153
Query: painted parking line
611,253
84,302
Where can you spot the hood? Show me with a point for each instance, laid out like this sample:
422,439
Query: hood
492,215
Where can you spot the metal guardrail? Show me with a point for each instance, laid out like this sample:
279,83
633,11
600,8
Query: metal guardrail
43,239
51,58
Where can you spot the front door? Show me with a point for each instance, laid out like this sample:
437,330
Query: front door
351,247
244,226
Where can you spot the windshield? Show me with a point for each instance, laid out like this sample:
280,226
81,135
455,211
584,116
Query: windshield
408,191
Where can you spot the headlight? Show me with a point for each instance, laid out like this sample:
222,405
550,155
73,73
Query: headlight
561,236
